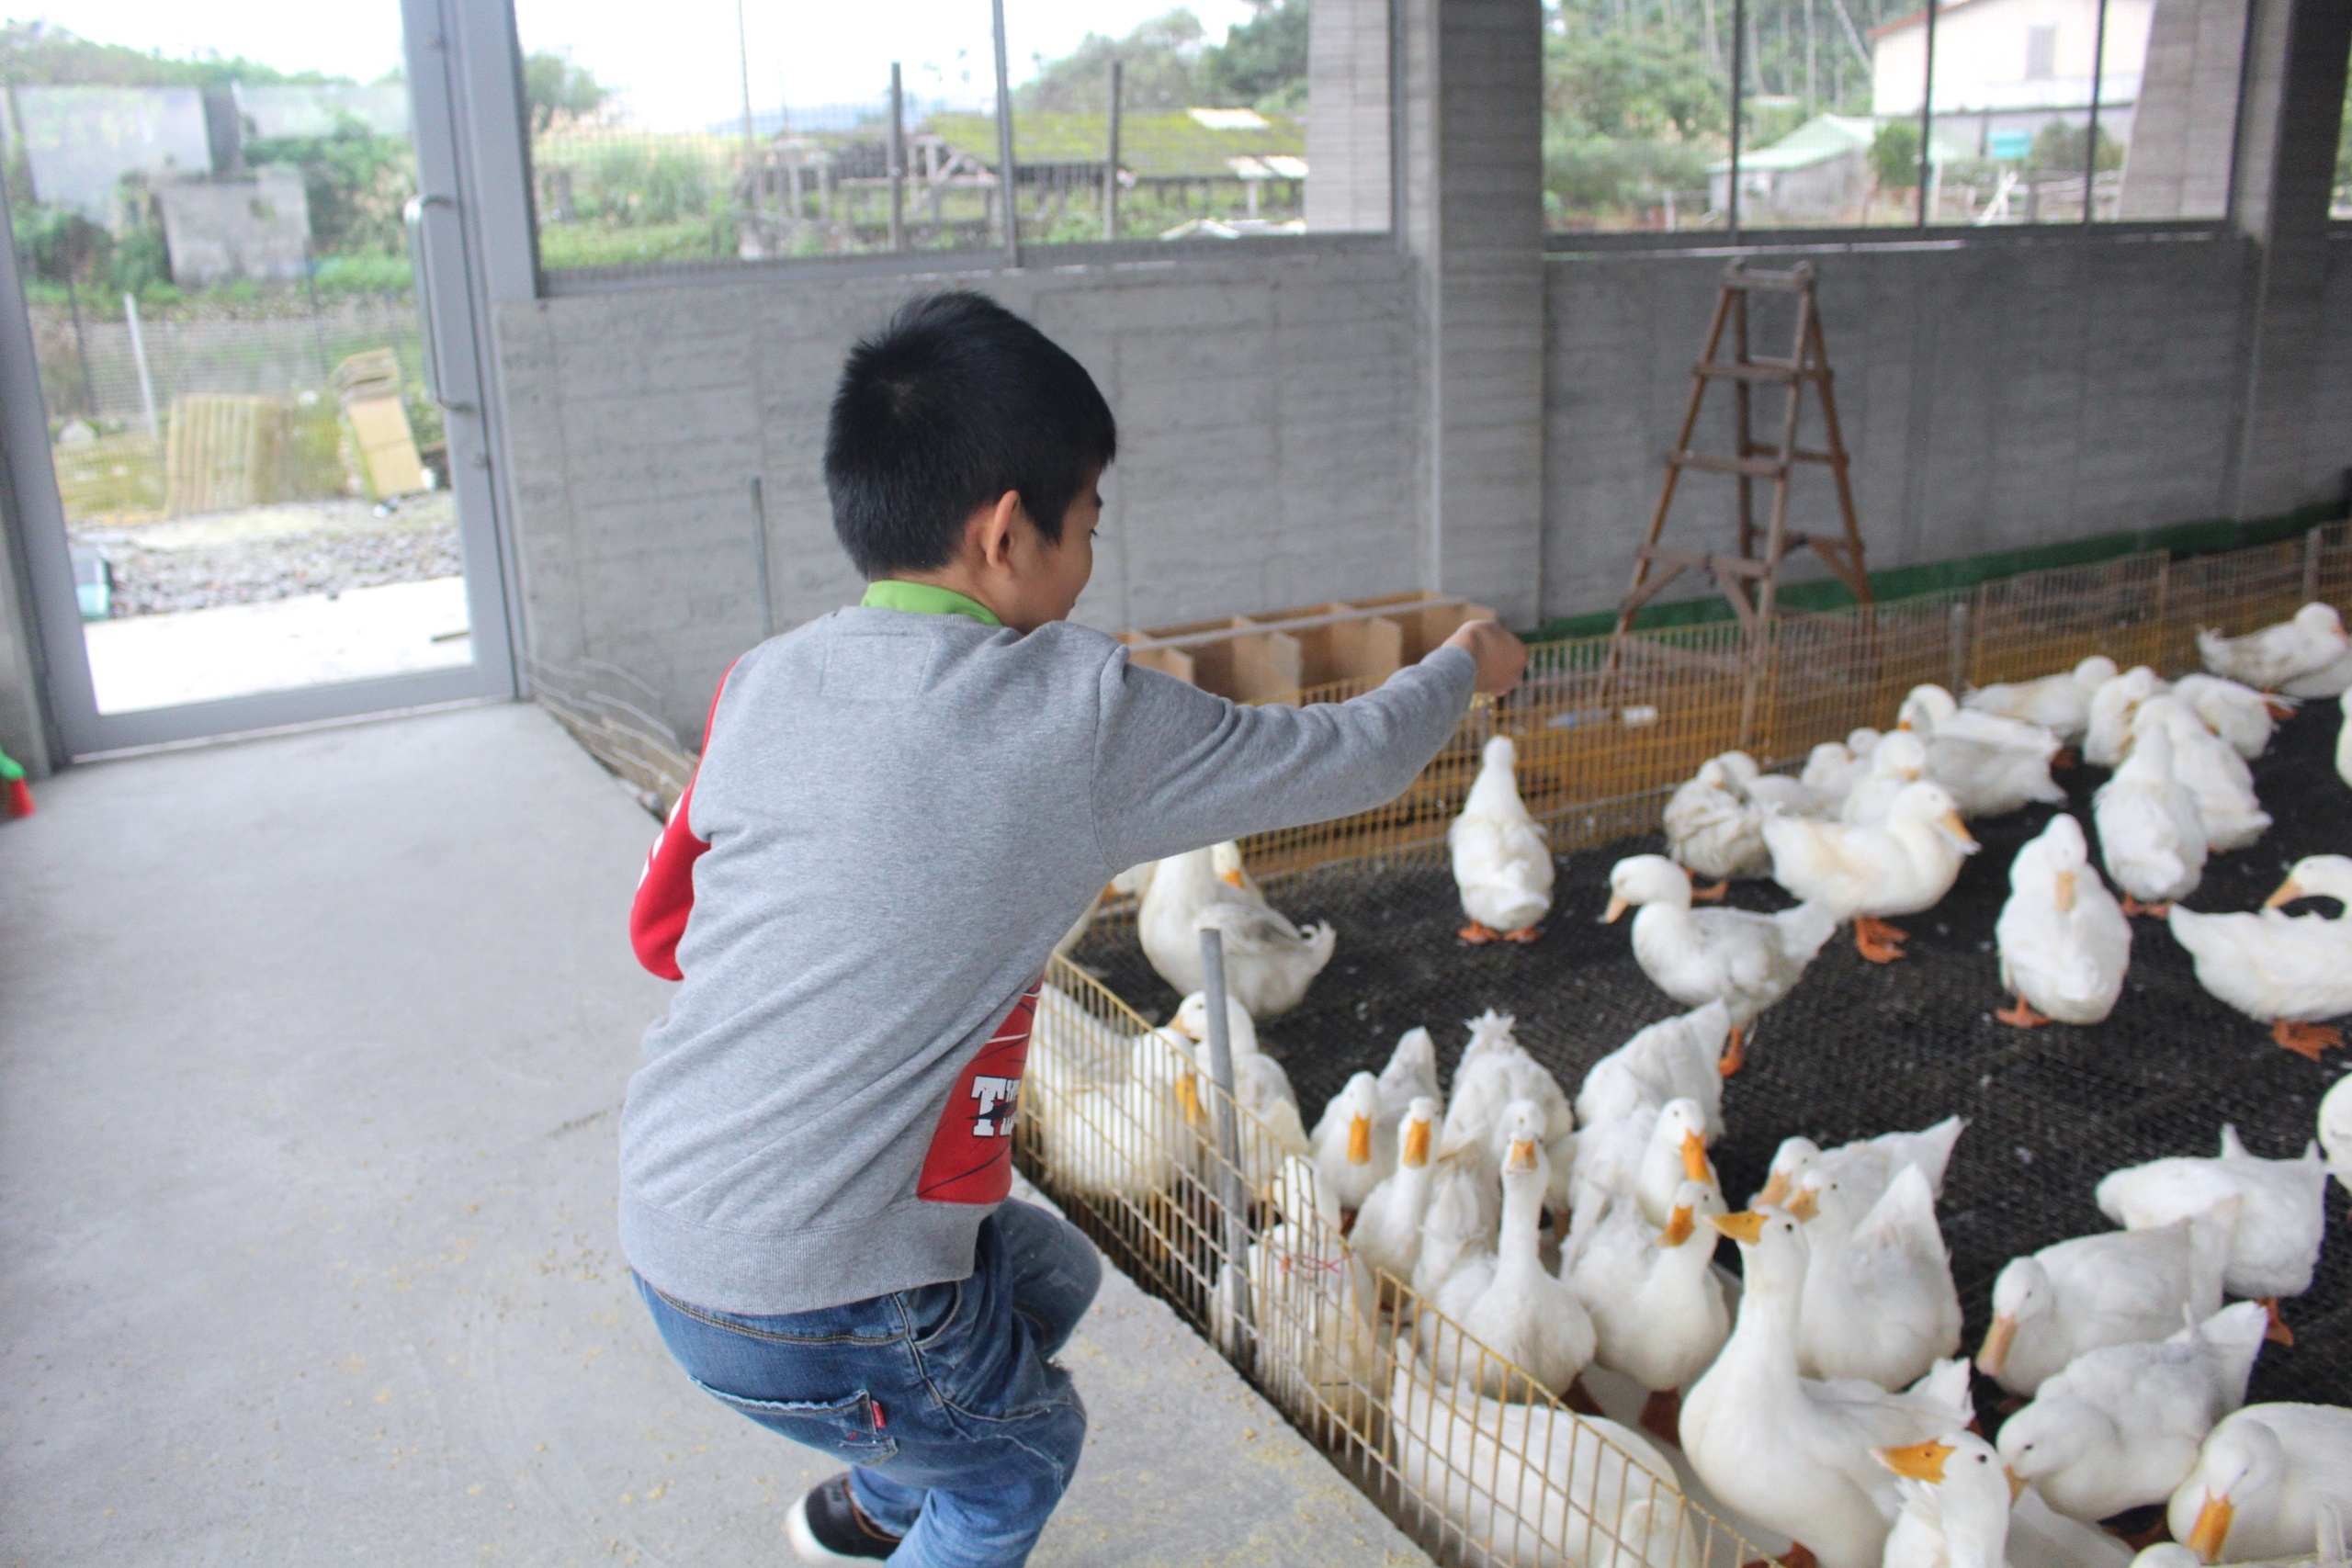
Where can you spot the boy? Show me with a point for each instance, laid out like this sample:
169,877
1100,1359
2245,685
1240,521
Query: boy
901,807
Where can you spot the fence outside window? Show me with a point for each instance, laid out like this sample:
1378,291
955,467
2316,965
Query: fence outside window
1887,113
744,135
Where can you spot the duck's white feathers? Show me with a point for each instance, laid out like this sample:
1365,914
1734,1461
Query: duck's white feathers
2282,1217
2068,964
1502,863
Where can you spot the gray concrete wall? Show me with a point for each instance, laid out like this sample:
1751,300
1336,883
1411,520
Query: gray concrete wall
1992,398
1265,404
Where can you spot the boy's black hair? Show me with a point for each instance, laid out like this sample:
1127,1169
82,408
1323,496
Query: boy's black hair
956,401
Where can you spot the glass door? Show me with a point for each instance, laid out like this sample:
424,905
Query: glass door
241,368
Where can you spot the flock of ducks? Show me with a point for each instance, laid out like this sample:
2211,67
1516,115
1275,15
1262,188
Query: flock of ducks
1822,1394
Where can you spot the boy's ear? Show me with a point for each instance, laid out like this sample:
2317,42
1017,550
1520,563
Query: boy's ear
990,528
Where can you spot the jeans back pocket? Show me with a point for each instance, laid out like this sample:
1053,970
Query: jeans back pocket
849,1428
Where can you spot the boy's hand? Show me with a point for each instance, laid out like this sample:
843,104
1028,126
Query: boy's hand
1501,657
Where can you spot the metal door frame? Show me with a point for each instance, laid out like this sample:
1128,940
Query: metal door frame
466,118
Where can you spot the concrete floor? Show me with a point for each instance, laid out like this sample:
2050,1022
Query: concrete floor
308,1060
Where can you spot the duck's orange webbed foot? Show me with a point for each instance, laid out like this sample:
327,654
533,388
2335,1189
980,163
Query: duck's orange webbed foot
1877,940
1735,1054
2306,1040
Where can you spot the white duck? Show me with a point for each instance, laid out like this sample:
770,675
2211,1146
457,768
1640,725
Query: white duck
2213,772
2281,1219
1864,1167
1507,1301
1457,1221
2112,707
1991,766
2263,1482
1387,1233
2277,657
1791,1453
1268,962
1901,760
2064,942
1956,1498
1410,1075
1744,960
1714,828
2060,704
1879,1300
2121,1426
1676,1058
1521,1479
1767,791
1501,861
2115,1287
2238,713
1658,1310
1129,1138
1831,771
2150,831
1259,1086
2287,970
1867,873
2336,1129
1313,1312
1353,1152
1495,1070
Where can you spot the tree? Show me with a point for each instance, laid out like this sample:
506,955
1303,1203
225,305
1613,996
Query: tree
43,54
1263,59
553,86
2058,149
356,182
1162,61
1894,156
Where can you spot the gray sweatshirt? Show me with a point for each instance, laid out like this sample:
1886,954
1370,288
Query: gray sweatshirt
896,818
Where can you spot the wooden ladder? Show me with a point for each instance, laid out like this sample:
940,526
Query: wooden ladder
1750,580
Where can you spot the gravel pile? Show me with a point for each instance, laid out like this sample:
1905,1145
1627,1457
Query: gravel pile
150,581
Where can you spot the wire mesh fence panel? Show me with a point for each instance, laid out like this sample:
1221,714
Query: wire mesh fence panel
1123,1127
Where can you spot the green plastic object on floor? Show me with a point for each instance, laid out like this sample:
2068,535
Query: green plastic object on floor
12,783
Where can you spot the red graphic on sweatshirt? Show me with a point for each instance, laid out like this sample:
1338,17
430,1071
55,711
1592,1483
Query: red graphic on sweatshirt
970,1159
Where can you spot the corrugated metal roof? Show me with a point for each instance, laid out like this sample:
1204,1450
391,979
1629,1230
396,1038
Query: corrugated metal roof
1164,146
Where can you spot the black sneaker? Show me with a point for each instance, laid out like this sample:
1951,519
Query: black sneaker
829,1526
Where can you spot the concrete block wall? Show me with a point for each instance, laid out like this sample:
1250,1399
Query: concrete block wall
1991,398
1265,405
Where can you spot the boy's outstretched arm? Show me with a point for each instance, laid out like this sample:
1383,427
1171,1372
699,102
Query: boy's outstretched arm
1177,767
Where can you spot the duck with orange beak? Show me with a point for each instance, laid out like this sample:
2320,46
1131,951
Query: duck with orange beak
2063,941
2289,970
2262,1483
1956,1499
1790,1452
1387,1231
1507,1300
1745,960
1658,1310
1867,874
1354,1151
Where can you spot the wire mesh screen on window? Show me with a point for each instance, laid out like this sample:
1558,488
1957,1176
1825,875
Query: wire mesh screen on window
738,134
1886,113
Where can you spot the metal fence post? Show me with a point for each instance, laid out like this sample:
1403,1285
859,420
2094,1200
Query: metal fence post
1959,638
1111,162
1008,205
1230,1198
898,161
2313,545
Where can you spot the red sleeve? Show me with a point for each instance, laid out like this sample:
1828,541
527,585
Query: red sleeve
665,893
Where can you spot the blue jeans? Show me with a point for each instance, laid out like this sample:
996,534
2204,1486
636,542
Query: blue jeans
959,1432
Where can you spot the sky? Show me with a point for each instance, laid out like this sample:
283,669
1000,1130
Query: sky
677,62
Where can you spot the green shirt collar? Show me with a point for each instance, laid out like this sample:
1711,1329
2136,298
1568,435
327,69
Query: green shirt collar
924,599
